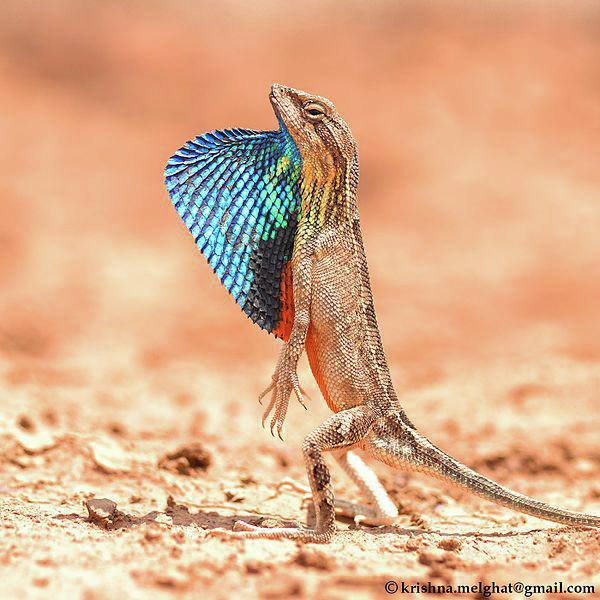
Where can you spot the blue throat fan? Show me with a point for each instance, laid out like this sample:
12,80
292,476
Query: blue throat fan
237,191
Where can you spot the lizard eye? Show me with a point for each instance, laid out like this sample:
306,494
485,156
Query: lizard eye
314,111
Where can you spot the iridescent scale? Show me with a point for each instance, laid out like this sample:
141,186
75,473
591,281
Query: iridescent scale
237,190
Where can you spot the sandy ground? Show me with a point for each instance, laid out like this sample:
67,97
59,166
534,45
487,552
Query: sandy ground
129,426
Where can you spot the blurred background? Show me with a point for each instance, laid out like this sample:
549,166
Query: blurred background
478,126
479,133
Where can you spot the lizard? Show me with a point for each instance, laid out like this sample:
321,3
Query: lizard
275,213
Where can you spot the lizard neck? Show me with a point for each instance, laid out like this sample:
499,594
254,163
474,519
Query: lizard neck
329,191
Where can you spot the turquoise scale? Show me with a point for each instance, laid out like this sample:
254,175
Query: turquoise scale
238,193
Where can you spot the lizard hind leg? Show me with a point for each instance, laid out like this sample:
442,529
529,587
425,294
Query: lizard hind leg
342,430
381,509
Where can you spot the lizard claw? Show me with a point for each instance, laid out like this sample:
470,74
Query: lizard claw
284,382
267,412
265,392
298,390
304,394
277,422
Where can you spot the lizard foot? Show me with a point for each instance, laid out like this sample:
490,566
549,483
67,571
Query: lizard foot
283,384
361,514
244,530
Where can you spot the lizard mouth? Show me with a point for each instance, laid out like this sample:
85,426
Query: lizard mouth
279,97
275,98
277,90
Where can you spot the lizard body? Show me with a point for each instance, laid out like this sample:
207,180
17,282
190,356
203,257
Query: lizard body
286,242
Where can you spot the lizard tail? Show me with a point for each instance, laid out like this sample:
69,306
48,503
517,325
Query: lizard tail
416,452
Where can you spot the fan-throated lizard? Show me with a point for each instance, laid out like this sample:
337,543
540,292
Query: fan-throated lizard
275,214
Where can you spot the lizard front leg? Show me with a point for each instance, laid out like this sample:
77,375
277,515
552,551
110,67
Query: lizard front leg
285,379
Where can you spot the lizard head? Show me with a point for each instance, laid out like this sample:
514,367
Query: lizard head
321,135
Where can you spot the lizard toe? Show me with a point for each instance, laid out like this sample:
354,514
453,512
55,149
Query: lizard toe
270,387
267,412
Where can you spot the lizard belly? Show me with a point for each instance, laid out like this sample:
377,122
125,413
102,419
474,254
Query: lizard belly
337,331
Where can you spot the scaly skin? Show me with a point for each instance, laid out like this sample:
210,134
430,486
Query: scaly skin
334,321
